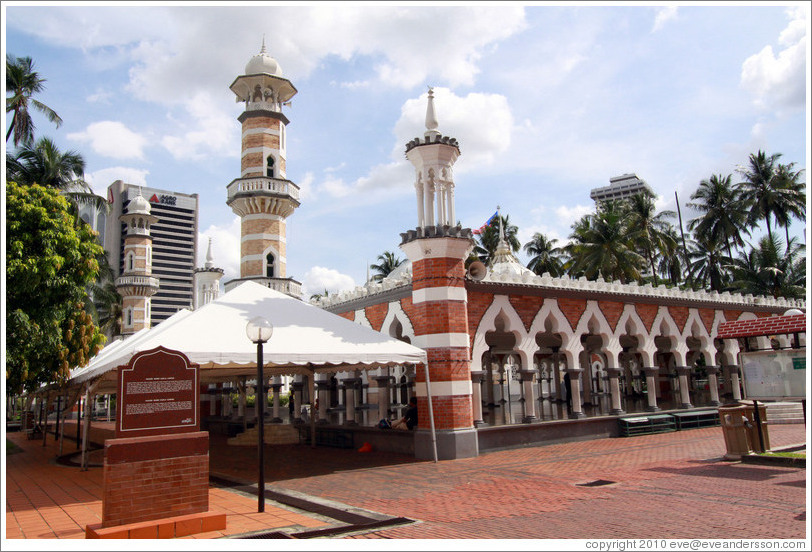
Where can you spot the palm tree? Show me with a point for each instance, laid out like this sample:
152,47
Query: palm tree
765,270
765,190
105,305
648,229
317,296
388,263
489,238
22,82
793,204
43,163
708,264
672,264
545,256
724,216
601,247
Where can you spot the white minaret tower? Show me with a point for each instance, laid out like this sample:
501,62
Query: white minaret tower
136,284
434,176
263,197
207,281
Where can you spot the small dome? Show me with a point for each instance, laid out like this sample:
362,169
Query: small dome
139,205
263,63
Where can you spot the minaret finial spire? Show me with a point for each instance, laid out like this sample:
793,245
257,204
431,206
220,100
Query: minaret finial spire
431,116
209,257
262,50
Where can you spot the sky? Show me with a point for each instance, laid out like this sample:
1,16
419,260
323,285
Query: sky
547,101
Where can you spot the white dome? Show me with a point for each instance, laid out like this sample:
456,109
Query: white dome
139,205
263,63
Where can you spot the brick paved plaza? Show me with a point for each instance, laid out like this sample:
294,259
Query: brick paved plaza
672,485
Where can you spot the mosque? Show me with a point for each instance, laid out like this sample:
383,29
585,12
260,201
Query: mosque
514,358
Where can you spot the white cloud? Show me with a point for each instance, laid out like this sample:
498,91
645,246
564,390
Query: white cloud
112,139
100,96
101,179
319,278
780,78
569,215
212,132
481,122
225,247
664,14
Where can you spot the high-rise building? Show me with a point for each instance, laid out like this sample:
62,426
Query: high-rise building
620,187
174,243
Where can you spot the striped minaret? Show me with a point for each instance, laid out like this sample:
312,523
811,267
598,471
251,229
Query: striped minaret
438,249
263,197
137,285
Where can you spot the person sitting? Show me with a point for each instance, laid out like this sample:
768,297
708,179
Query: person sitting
409,420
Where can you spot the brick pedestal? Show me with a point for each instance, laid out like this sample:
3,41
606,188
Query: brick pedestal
150,478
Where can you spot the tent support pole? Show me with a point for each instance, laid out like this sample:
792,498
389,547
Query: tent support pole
311,386
431,413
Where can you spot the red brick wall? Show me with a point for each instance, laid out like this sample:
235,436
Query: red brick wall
439,272
707,316
376,314
647,314
612,311
449,412
731,315
349,315
527,307
478,303
433,317
572,309
680,316
154,487
408,307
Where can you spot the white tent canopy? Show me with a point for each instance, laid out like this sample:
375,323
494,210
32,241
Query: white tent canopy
305,339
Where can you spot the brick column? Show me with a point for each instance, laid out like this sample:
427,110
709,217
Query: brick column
651,387
349,386
575,386
528,396
713,384
276,387
684,392
735,387
441,328
476,388
323,393
614,388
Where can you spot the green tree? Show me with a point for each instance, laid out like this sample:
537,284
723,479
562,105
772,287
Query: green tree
22,83
767,270
767,192
544,255
648,229
708,264
724,215
388,261
600,246
793,205
105,304
50,260
488,239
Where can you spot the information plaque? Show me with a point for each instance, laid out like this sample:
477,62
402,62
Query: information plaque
158,393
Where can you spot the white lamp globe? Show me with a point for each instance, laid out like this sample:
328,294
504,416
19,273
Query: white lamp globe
259,330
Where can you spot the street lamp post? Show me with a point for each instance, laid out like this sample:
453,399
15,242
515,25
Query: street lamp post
259,330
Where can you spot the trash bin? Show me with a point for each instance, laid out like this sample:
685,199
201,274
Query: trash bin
750,412
734,421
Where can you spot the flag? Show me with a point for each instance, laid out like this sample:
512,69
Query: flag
487,223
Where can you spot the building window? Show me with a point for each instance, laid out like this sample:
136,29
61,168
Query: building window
269,268
270,167
129,318
130,262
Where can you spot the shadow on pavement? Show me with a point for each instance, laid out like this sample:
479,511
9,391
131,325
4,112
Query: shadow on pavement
284,462
724,470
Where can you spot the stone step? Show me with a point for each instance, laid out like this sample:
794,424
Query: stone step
784,413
